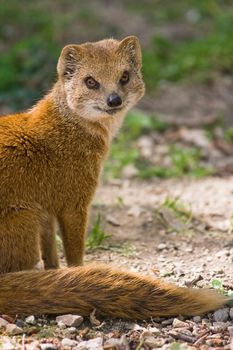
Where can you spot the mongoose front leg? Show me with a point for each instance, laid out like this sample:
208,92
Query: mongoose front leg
73,227
19,240
48,244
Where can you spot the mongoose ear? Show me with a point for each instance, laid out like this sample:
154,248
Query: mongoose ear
131,47
68,61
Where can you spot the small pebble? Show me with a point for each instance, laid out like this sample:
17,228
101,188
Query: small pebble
134,211
167,322
7,345
71,330
3,323
179,324
20,323
30,320
92,344
231,313
113,342
13,329
61,325
197,319
68,342
221,315
35,345
48,346
152,342
161,246
112,220
154,330
218,327
230,330
70,320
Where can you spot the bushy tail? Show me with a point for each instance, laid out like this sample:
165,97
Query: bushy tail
111,292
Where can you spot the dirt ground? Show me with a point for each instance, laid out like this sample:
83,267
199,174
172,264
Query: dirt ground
157,238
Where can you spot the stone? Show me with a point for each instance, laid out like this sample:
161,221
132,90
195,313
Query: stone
137,327
153,342
112,220
230,330
35,345
30,320
70,320
71,330
135,211
129,171
92,344
218,327
61,325
167,322
3,323
179,324
231,313
13,329
161,246
197,319
20,323
146,145
154,330
7,345
66,342
48,346
221,315
113,342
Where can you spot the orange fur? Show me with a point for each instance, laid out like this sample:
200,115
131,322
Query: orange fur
111,292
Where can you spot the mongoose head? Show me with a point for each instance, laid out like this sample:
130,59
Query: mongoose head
101,79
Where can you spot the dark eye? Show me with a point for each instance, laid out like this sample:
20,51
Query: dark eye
91,83
124,78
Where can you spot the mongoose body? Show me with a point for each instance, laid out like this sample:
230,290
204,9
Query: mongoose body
51,156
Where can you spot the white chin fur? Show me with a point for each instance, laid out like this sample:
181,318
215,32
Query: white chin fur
92,113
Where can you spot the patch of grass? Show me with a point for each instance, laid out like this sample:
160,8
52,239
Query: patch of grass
229,135
46,333
126,249
148,171
27,62
97,236
166,273
166,11
188,161
122,154
180,209
218,285
184,161
138,123
120,201
197,59
175,216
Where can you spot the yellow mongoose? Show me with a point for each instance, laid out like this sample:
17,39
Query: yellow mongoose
50,161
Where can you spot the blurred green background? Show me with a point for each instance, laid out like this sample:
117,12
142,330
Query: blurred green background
188,65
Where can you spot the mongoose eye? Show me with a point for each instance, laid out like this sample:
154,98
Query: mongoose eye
124,78
91,83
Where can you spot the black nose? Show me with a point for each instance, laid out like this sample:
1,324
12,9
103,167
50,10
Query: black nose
114,100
